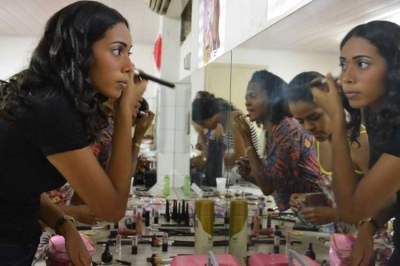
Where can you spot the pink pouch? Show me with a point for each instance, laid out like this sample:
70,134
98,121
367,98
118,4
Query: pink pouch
340,249
201,260
294,259
57,253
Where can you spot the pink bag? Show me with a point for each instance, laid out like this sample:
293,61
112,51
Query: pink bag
340,249
201,260
57,252
293,259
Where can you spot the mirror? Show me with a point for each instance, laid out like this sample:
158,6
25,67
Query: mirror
210,99
210,95
306,40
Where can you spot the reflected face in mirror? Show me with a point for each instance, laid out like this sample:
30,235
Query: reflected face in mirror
364,74
210,123
256,102
312,118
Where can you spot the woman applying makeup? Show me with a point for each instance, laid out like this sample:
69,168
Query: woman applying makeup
370,79
65,198
50,113
290,165
314,119
215,114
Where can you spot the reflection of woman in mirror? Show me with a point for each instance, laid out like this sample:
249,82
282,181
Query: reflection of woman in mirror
290,165
214,114
370,79
203,133
316,121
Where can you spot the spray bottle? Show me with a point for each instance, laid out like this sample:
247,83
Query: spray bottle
204,226
238,230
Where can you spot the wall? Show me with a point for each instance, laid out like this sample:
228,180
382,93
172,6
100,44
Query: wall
287,63
15,53
244,19
172,124
185,49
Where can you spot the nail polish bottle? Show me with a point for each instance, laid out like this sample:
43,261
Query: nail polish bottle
156,218
187,217
118,243
178,214
139,225
134,249
165,242
276,242
147,218
310,252
107,256
167,215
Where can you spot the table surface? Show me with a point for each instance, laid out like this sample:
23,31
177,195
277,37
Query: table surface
146,250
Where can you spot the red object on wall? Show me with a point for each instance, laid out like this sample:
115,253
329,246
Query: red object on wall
157,52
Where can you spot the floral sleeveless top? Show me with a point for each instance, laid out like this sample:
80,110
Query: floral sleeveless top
325,183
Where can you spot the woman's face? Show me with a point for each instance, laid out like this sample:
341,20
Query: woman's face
210,123
256,102
363,75
312,118
111,67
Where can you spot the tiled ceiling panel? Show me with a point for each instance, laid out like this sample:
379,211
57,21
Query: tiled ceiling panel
320,25
28,17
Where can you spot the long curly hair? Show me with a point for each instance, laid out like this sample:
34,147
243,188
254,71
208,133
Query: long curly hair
60,65
385,36
274,87
299,91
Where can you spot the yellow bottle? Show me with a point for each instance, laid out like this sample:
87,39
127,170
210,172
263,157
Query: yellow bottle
204,226
238,230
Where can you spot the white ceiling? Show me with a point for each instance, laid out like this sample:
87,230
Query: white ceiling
28,17
320,25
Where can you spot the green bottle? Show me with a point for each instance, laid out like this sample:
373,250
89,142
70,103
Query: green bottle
186,186
167,189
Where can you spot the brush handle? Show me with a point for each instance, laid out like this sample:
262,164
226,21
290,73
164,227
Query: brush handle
322,82
124,262
126,232
82,227
157,80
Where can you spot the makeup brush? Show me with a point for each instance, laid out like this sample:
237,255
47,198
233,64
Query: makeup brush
142,75
126,232
79,227
322,83
157,260
156,242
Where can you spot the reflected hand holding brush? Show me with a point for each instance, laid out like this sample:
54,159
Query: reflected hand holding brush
323,83
327,93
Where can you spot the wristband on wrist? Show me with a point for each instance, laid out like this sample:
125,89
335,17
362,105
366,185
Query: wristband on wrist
248,149
137,145
60,222
370,220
